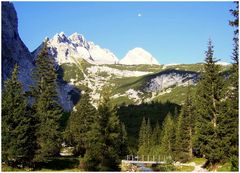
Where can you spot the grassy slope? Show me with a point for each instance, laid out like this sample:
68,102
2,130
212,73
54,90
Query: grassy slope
121,85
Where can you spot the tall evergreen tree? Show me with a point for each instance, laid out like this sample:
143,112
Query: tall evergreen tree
142,133
46,107
209,97
156,134
124,150
167,136
79,124
17,131
230,122
145,138
155,138
184,132
104,140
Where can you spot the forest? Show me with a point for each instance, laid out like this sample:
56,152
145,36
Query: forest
34,126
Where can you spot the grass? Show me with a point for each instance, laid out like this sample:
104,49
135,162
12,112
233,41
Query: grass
122,100
184,168
143,67
225,167
198,161
65,164
6,168
177,94
123,84
73,71
163,168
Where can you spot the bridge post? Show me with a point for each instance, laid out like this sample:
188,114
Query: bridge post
148,158
132,157
142,157
153,158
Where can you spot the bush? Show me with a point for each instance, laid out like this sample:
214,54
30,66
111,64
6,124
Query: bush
234,162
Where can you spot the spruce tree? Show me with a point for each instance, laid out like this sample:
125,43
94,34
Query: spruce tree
209,97
80,121
184,132
104,146
155,149
142,134
230,122
46,107
156,135
124,142
17,131
145,138
167,136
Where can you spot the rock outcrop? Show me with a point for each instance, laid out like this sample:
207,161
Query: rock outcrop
14,50
171,78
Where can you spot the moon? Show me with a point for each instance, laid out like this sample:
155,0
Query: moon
139,15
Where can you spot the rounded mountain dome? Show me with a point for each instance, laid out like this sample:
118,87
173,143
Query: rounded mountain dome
138,56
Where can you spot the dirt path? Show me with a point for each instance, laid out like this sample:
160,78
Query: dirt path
197,168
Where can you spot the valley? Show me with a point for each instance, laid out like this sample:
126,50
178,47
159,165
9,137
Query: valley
71,94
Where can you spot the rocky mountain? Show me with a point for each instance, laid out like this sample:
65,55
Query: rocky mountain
14,50
69,49
138,56
81,64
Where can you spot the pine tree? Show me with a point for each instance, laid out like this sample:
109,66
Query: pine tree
156,135
167,136
230,125
104,140
79,124
155,149
46,107
145,138
17,131
142,134
124,142
209,97
148,139
184,132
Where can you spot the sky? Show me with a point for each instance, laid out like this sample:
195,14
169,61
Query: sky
173,32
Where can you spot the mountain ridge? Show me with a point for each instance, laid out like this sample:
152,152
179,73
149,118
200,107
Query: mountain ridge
76,72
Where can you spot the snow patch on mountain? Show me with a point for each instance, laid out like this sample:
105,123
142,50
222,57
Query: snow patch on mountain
138,56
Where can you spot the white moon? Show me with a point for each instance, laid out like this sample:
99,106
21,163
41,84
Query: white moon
139,14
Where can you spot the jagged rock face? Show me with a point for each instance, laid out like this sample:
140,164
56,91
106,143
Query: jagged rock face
138,56
14,50
171,78
70,49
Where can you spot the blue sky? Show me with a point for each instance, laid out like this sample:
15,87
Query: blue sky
173,32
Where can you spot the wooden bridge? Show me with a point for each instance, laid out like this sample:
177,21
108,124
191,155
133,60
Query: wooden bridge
146,159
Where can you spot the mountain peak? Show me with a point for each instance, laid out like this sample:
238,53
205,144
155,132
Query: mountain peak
138,56
69,49
60,37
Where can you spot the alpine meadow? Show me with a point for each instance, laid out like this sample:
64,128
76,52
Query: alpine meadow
70,105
